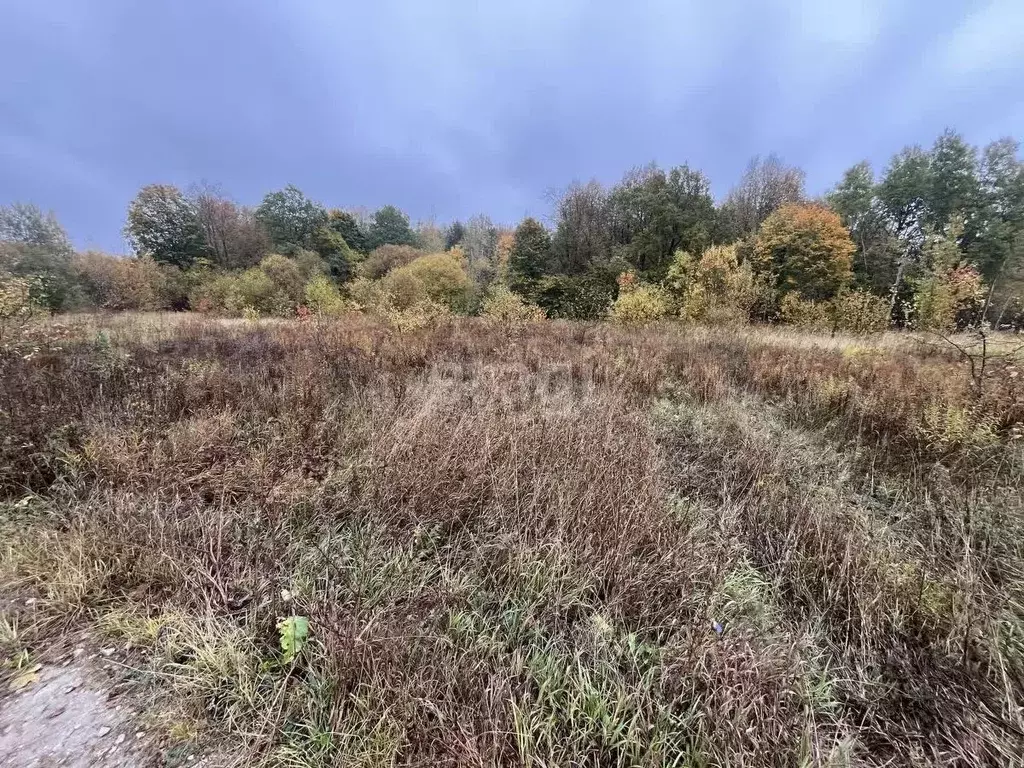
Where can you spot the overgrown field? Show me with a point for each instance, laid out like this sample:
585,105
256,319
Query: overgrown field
545,545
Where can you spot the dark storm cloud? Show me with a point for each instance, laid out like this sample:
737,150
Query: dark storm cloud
448,109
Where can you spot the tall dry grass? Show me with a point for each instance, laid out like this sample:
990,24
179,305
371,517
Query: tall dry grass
552,544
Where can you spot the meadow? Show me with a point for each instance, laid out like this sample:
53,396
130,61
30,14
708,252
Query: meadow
525,543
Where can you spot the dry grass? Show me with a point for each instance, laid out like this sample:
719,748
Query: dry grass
554,545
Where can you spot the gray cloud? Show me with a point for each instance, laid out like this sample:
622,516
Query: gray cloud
447,109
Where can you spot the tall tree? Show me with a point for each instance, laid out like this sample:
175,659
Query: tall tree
653,214
766,185
999,245
862,212
429,237
290,218
27,224
34,245
346,225
530,257
805,249
453,235
479,240
164,223
390,226
234,237
905,190
340,259
582,235
955,186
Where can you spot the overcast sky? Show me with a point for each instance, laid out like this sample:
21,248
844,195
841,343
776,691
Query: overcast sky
447,109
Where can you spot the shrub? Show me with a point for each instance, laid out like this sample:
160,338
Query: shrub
713,289
945,299
852,311
401,290
422,314
212,292
386,258
117,283
16,303
365,293
809,315
322,297
508,308
442,278
310,264
255,290
642,304
575,298
287,275
861,312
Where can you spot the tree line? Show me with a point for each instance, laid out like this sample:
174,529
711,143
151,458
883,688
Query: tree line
935,240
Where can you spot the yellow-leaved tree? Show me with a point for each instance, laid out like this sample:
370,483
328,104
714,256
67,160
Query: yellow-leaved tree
715,288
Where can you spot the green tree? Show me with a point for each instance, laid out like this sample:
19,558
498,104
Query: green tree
33,245
862,212
28,225
904,191
164,224
334,250
390,226
442,277
998,247
453,235
806,249
955,185
530,257
575,297
345,224
582,238
290,218
653,214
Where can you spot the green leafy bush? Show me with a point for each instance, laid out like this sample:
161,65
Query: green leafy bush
255,289
584,297
323,297
288,276
441,277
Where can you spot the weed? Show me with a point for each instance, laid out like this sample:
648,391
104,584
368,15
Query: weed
547,544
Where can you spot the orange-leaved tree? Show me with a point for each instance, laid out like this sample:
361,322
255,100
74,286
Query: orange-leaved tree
805,249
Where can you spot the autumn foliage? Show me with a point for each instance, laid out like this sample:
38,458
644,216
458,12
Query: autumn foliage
805,248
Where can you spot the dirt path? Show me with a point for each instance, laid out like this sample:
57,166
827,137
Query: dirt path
66,717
